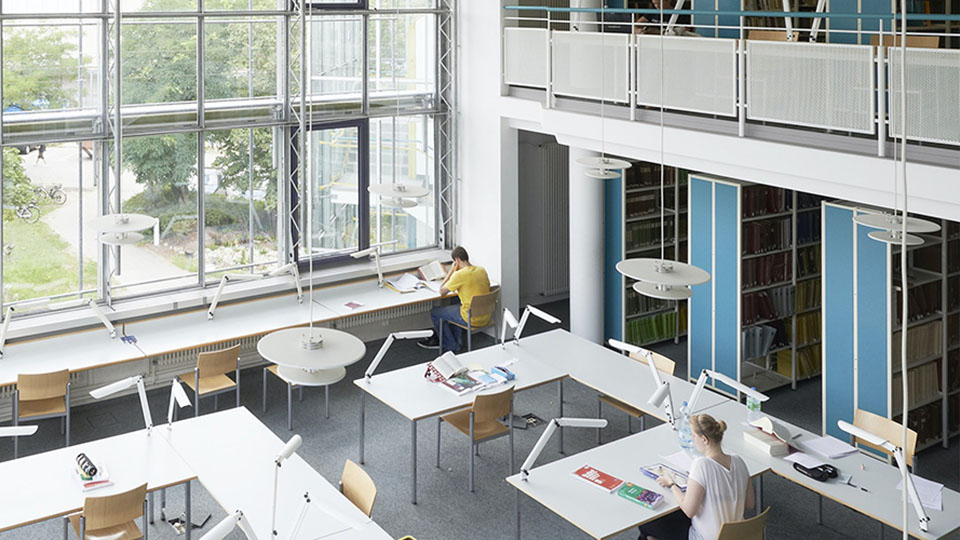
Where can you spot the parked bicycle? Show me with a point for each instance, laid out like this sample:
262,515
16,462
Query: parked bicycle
29,212
54,192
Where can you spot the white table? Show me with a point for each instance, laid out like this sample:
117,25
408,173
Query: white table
882,502
407,392
599,514
371,297
42,486
233,454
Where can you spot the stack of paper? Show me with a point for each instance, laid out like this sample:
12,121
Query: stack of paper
806,460
931,493
681,460
829,447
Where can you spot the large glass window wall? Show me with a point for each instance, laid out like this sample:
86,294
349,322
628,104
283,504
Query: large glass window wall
210,118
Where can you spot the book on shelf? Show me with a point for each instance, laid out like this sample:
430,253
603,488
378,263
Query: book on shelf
598,479
767,235
758,340
808,294
926,421
432,271
644,497
808,227
647,233
761,200
767,270
774,303
924,300
808,261
656,470
923,341
923,383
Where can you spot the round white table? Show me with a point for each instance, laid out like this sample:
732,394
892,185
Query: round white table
322,366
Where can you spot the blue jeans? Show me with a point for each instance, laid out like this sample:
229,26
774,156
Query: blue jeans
452,335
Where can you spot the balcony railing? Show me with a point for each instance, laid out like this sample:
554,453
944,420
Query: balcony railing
840,87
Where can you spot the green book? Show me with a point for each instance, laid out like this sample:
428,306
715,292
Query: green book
644,497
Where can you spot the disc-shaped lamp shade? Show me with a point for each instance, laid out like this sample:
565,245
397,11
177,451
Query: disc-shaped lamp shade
604,162
397,203
602,174
661,272
895,223
121,223
895,237
663,292
121,239
399,191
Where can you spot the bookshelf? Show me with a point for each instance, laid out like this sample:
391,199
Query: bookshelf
863,327
758,320
632,226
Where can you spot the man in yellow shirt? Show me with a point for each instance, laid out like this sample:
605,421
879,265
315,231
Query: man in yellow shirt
467,281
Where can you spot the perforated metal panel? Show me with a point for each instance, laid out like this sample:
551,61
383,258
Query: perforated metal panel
525,57
700,74
811,84
586,64
933,94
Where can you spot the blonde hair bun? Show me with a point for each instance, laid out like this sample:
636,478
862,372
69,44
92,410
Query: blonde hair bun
710,428
722,425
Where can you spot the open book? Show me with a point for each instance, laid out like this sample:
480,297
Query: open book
432,271
769,437
444,367
405,283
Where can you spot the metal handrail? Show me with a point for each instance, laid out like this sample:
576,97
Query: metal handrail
737,13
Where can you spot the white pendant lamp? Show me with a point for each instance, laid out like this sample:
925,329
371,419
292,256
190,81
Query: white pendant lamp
399,194
121,229
891,227
601,167
896,237
660,278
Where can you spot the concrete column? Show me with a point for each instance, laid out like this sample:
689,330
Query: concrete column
586,250
583,21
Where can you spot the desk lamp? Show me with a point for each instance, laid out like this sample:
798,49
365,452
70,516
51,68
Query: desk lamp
511,321
901,462
17,431
661,396
288,449
179,398
103,317
3,330
229,523
415,334
725,380
597,423
119,386
374,251
285,269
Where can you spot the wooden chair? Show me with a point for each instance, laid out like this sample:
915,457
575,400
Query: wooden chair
111,517
42,395
209,378
886,428
481,423
748,529
664,365
771,35
919,42
481,305
290,386
357,486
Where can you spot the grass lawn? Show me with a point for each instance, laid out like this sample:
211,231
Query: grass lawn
41,264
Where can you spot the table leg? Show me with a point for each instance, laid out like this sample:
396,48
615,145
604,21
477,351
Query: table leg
363,405
150,507
560,399
819,510
413,461
187,505
759,494
516,505
326,401
163,505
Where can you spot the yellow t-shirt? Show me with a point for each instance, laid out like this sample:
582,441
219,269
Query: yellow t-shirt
467,283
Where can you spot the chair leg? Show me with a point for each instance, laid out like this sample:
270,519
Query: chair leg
642,422
326,401
472,446
143,521
238,384
264,406
66,527
216,402
289,407
440,332
63,425
469,340
439,421
66,417
629,424
510,428
300,398
83,528
196,392
16,422
599,416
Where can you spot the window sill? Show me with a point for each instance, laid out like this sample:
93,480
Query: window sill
128,310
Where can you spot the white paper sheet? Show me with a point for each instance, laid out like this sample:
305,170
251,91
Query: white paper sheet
931,493
807,460
680,460
828,447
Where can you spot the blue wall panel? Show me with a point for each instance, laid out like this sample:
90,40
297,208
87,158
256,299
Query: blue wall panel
613,289
838,319
700,334
726,288
872,286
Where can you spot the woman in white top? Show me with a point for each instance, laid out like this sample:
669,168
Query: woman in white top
718,491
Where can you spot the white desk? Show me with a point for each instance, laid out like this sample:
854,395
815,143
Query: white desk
233,454
371,297
882,503
598,514
77,351
407,392
42,486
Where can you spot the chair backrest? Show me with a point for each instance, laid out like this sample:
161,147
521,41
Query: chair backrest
748,529
483,305
886,428
488,407
769,35
663,364
36,386
358,487
922,42
218,362
113,510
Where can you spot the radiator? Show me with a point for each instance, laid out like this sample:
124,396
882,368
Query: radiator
555,209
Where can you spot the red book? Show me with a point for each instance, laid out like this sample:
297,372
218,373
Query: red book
598,478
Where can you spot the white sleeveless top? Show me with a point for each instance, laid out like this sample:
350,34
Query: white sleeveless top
725,493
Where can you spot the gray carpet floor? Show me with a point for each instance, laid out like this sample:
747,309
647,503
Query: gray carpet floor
446,509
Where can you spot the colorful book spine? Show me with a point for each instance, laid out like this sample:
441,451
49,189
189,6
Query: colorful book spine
644,497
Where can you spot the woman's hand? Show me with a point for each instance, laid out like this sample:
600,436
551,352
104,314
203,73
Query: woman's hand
666,480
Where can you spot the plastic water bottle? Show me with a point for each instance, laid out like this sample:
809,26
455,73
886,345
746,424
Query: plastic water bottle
753,407
683,429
